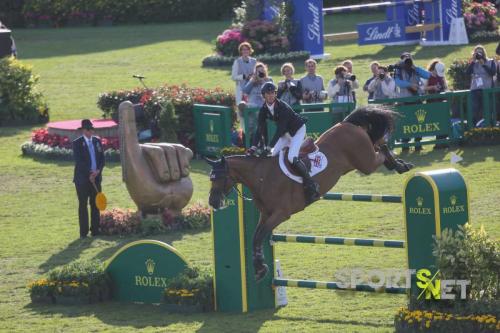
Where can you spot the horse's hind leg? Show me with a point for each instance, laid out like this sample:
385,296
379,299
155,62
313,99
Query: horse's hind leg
264,228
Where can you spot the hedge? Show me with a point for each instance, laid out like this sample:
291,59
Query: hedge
70,12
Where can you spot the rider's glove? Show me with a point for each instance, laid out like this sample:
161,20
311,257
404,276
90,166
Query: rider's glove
251,151
267,151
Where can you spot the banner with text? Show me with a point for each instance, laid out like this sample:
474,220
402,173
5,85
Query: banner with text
381,32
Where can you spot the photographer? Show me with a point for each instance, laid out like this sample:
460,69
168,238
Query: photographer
374,69
408,77
355,84
482,70
340,88
253,91
313,90
382,86
289,90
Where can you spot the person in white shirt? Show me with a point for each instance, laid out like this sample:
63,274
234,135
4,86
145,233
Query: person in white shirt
382,86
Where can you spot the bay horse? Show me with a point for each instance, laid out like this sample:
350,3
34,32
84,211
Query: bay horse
356,143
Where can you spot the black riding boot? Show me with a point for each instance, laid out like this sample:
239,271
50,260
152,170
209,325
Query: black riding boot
311,188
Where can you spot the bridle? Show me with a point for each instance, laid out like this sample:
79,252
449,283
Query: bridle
218,173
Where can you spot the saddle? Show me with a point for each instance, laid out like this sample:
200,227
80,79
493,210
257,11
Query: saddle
307,147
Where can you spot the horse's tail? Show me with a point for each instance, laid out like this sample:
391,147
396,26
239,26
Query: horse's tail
378,120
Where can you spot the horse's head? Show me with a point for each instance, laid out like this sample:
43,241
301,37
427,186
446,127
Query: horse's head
221,182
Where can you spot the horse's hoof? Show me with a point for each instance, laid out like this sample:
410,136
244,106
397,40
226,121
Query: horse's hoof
261,272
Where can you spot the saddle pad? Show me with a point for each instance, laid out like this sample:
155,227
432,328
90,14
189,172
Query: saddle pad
318,164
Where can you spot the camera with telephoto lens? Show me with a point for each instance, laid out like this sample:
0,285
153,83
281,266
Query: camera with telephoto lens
351,78
478,55
381,76
262,75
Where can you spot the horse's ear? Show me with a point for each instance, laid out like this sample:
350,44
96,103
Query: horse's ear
209,161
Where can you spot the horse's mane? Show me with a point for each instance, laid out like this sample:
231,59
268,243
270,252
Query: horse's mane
377,119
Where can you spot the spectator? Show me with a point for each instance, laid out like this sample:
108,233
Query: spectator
437,82
242,69
408,77
435,85
254,96
355,84
340,88
290,89
382,86
374,69
482,70
313,89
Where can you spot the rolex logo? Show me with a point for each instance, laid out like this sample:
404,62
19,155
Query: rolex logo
420,114
211,126
150,266
453,200
420,201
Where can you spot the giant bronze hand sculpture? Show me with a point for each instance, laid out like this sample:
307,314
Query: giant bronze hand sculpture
156,174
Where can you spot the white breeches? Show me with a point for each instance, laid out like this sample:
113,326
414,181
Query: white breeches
292,142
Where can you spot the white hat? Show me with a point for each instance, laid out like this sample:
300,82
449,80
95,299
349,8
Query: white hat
439,67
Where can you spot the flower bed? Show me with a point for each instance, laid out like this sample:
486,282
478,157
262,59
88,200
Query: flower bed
156,101
191,291
483,136
433,321
123,222
56,147
480,17
220,60
80,282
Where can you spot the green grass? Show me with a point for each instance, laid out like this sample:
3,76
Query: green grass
38,212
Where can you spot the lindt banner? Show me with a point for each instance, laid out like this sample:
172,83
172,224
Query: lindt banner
381,32
308,17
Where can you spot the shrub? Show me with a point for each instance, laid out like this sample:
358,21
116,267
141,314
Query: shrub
227,43
456,71
479,16
119,222
196,216
63,12
191,288
11,13
469,254
82,279
168,122
265,37
20,102
152,226
182,99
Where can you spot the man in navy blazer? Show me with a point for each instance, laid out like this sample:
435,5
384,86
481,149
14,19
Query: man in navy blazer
89,162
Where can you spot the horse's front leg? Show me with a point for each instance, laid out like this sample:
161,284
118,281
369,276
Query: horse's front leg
264,228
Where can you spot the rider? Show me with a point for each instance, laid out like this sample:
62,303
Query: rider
290,132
